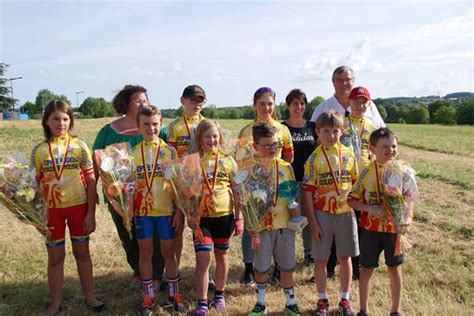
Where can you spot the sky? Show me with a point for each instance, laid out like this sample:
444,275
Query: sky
231,48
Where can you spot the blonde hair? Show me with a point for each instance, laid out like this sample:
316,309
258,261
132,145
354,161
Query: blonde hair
330,118
148,111
203,127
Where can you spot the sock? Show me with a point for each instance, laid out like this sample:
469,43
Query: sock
323,296
173,286
148,287
218,294
344,295
261,289
290,296
249,267
202,304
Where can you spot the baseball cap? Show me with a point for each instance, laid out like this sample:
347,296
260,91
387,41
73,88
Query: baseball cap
359,92
193,91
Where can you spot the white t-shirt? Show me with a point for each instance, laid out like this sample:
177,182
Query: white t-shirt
332,104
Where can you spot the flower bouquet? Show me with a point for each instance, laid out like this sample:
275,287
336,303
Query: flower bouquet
255,190
241,150
288,190
399,191
184,179
117,168
19,193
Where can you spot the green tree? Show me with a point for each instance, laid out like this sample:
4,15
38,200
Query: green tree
248,112
234,114
5,100
418,115
210,111
445,115
382,110
434,106
308,112
466,112
96,107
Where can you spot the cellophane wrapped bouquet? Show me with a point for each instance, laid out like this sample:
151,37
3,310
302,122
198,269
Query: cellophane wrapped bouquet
184,179
254,186
399,191
117,172
19,193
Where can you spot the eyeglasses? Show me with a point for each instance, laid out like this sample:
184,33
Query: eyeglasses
198,100
275,145
343,80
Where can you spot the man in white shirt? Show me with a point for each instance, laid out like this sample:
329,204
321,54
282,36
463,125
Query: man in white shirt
343,81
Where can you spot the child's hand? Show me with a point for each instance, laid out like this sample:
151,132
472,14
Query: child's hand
192,223
376,211
239,227
316,233
89,224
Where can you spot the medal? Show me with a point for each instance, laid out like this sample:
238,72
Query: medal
59,171
209,200
337,184
149,178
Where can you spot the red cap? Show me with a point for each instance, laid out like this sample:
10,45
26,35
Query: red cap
359,92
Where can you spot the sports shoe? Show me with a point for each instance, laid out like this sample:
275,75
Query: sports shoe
322,307
258,310
136,282
248,279
362,313
292,310
147,306
394,314
200,312
308,260
345,308
177,302
219,304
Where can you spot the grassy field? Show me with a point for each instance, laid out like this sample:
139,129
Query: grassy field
438,274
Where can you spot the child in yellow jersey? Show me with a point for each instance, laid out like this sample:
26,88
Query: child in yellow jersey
358,125
278,242
65,175
328,176
153,208
264,106
377,233
180,135
220,215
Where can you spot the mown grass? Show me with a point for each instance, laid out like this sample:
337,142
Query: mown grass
438,274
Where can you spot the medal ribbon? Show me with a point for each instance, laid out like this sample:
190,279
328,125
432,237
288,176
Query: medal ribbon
186,125
214,176
378,184
149,180
275,198
59,172
361,126
337,184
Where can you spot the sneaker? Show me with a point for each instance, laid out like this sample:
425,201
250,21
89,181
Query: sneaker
308,260
200,312
292,310
258,310
345,308
177,302
147,306
322,307
275,277
219,304
362,313
394,314
136,282
248,279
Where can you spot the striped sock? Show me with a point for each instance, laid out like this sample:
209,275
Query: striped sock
173,286
148,287
202,304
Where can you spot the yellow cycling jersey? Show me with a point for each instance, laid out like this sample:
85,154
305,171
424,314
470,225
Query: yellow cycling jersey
180,133
279,215
330,172
283,135
363,127
151,197
367,190
217,196
61,166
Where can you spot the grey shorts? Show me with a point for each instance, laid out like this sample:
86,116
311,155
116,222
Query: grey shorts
278,244
340,227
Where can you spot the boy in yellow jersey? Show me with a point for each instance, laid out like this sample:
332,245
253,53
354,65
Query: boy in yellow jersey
377,233
153,208
357,126
278,242
180,135
328,176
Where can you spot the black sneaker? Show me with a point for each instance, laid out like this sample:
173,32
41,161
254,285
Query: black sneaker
292,310
248,279
258,310
362,313
394,314
308,260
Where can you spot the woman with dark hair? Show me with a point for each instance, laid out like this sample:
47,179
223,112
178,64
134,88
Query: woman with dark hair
303,135
124,129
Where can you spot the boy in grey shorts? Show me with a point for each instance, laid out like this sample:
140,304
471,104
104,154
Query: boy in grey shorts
278,242
329,174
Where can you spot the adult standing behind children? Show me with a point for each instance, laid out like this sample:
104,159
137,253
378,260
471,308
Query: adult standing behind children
343,79
124,129
264,106
304,137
